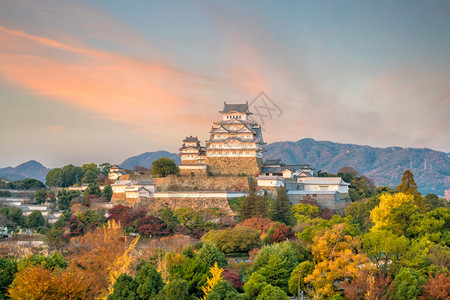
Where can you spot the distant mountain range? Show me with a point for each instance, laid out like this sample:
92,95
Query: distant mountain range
30,169
385,166
146,159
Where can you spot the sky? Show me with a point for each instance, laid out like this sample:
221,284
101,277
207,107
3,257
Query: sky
100,81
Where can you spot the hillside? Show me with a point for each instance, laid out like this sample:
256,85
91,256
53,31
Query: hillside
146,159
30,169
385,165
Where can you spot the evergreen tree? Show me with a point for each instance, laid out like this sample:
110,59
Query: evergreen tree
253,205
223,290
281,208
35,219
409,187
149,282
124,288
107,192
92,189
175,289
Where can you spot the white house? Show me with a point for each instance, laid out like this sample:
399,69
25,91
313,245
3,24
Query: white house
324,184
269,181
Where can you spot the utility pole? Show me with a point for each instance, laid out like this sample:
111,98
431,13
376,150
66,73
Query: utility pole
298,291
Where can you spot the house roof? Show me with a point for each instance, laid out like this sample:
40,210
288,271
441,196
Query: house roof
324,180
273,162
241,108
267,169
190,139
262,177
144,182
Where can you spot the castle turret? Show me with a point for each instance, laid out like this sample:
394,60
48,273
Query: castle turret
193,157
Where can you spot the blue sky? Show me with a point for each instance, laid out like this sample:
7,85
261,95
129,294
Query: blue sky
85,81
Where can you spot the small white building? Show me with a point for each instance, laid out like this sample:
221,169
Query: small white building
269,181
134,188
324,184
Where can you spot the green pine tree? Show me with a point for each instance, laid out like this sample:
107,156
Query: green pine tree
253,205
281,208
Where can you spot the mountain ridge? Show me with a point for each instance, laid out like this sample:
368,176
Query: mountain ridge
431,168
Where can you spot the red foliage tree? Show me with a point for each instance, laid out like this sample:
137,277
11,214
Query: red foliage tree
368,286
261,224
152,226
232,276
279,232
437,287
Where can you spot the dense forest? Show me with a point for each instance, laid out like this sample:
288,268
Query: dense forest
387,244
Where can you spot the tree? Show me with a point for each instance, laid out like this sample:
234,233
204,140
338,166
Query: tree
92,189
408,186
210,254
189,218
97,255
224,291
194,271
164,166
40,196
437,287
431,202
337,255
90,173
175,289
253,205
54,177
70,175
35,220
408,284
260,224
107,192
384,248
149,282
279,232
380,214
124,288
168,216
9,269
281,208
254,286
347,173
238,239
303,269
216,276
104,168
270,292
152,226
303,212
65,197
275,273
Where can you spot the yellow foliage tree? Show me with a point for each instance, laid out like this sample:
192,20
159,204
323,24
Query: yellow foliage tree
99,257
40,283
337,258
387,203
216,273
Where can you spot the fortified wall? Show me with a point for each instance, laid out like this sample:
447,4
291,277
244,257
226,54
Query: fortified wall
201,183
234,165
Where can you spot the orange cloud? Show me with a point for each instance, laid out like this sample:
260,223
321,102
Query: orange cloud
52,128
146,94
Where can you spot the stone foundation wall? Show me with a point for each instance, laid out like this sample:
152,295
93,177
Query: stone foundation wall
196,172
234,165
195,203
327,200
201,183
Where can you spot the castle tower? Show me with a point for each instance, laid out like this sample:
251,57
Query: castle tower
193,157
236,144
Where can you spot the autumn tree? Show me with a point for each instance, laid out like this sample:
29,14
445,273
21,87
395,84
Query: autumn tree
281,208
164,166
95,255
216,276
437,287
380,214
238,239
337,255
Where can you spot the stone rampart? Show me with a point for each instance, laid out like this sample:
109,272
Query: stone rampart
201,183
234,165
